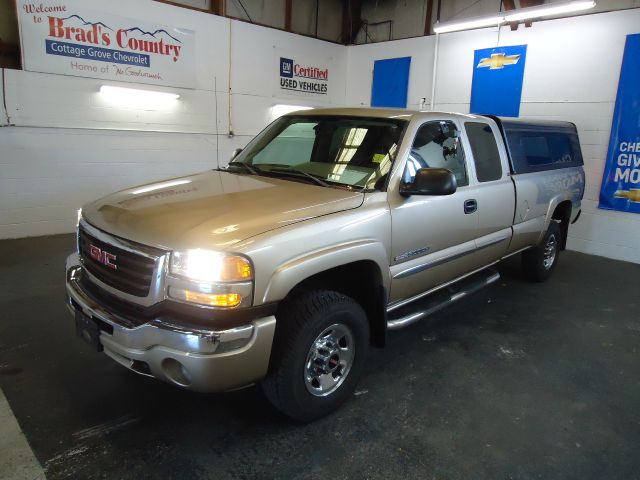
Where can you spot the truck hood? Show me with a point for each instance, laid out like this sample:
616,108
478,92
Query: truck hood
212,209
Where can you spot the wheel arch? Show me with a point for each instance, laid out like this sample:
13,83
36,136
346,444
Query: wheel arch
364,279
559,210
562,214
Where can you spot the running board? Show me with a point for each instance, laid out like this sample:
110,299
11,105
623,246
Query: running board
423,307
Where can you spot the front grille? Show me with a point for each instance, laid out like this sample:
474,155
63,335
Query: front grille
128,314
133,273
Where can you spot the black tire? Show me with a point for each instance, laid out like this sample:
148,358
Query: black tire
539,263
300,322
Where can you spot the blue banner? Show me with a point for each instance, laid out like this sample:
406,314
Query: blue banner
621,179
66,49
498,73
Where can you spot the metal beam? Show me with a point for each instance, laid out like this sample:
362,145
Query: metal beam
351,20
217,7
510,5
427,19
530,3
288,10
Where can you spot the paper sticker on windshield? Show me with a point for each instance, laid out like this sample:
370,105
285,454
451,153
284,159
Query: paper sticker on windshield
378,157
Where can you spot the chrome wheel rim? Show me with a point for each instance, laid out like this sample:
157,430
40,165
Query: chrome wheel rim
550,249
329,360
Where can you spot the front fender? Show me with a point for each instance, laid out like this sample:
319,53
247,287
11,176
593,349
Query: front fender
298,269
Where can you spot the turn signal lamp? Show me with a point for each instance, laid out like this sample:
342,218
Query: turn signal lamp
213,299
235,268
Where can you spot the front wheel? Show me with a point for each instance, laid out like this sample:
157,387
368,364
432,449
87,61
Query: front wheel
538,263
319,353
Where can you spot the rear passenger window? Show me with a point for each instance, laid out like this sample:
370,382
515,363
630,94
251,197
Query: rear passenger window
485,151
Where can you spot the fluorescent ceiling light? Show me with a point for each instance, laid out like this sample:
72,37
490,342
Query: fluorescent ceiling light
468,24
135,97
548,10
281,109
158,186
515,16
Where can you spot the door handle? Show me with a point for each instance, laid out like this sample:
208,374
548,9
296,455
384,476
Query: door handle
470,206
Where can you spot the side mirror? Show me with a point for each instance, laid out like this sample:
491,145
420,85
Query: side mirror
430,181
235,153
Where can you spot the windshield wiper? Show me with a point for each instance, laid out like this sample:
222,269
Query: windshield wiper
296,173
246,166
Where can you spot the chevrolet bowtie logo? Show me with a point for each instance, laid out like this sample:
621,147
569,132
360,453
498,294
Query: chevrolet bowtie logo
633,194
497,61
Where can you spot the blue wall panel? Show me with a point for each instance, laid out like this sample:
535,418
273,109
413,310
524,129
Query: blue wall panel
390,82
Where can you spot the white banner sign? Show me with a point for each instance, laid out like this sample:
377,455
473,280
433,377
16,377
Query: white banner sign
66,38
301,76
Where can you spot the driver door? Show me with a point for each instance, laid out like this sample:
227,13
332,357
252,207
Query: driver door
433,237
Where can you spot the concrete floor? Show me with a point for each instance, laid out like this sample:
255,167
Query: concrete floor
519,381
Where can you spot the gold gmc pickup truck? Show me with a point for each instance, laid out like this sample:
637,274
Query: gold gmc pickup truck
329,229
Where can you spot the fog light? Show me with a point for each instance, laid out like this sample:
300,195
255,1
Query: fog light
176,372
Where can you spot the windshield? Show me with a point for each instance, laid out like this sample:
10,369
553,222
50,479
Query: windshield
351,152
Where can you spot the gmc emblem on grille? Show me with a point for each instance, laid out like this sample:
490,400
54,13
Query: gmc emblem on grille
103,257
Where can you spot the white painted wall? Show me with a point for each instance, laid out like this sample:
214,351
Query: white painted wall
65,145
61,129
572,72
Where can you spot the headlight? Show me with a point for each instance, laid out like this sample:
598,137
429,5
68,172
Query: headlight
210,278
208,266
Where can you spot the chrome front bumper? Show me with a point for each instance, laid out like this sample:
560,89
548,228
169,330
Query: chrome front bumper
197,359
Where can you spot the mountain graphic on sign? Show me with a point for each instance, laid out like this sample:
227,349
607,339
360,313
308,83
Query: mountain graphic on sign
137,29
84,22
132,29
